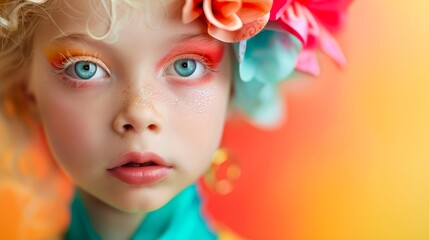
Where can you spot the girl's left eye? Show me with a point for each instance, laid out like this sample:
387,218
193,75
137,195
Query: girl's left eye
186,68
85,70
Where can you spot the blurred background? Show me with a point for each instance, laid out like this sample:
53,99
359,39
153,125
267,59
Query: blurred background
352,161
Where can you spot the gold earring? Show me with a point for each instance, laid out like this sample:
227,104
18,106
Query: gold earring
223,171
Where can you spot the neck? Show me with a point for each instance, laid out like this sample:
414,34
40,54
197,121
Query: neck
109,222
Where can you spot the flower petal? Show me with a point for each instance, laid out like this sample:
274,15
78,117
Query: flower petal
279,6
269,59
271,112
295,21
307,62
329,13
247,31
277,59
330,46
229,23
191,10
254,9
240,50
247,71
227,7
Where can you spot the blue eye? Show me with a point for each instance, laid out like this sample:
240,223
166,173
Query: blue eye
85,69
185,67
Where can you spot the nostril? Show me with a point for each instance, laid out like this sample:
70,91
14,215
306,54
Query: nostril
128,127
152,127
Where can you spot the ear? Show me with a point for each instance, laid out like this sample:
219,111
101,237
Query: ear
19,102
30,101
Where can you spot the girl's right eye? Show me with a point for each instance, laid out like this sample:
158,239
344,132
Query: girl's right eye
84,70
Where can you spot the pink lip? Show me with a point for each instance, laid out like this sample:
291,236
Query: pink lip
126,169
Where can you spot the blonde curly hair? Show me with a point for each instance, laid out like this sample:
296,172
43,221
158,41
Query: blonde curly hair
33,191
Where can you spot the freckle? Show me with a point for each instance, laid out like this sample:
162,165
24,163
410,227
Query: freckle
197,100
147,95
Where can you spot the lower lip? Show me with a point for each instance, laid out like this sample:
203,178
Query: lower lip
140,175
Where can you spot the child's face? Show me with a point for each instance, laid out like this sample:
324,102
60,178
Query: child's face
160,88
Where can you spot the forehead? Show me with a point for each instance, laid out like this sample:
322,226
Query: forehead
110,19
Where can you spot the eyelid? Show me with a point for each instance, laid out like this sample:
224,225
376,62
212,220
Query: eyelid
207,63
69,60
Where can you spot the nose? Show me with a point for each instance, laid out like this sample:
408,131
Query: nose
136,115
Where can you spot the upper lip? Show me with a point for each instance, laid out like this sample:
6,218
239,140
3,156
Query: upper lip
139,157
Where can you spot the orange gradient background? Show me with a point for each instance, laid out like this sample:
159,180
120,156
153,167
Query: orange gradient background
352,161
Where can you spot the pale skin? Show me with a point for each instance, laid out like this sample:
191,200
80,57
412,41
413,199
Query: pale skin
136,101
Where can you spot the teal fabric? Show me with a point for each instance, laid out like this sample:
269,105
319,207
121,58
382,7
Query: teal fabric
178,219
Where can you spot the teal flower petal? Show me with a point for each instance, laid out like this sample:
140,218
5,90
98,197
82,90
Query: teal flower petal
247,71
269,59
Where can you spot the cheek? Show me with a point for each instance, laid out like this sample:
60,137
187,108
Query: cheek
72,125
75,122
198,133
67,130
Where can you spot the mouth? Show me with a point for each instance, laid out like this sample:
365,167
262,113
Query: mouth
138,159
137,164
137,168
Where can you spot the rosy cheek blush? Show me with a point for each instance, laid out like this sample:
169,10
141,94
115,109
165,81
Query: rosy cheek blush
194,95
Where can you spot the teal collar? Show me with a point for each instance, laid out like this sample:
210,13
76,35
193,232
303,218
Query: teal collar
178,219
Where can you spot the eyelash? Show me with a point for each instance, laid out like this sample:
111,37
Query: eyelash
68,61
205,61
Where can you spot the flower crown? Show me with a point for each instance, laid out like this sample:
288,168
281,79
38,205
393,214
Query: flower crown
272,38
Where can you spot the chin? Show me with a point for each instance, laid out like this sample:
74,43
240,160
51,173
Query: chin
141,207
135,203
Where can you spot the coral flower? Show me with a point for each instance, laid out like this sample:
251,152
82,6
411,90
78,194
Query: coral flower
229,20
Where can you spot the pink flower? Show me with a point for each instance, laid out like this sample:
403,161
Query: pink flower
310,21
229,20
279,6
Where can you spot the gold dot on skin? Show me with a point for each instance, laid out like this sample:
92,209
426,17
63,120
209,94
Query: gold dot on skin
198,99
147,95
192,100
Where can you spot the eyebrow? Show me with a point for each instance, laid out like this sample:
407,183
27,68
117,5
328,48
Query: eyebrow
79,37
82,37
200,36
